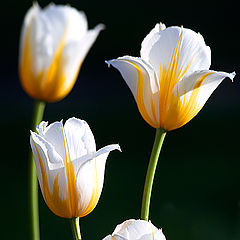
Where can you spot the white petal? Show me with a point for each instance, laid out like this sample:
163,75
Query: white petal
53,159
54,135
90,178
205,82
109,237
101,157
48,29
79,137
149,40
48,161
88,39
141,79
26,24
181,45
41,128
76,20
75,52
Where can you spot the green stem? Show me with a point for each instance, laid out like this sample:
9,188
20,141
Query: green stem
75,228
33,182
160,135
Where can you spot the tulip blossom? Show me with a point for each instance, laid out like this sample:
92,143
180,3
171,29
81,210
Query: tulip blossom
70,171
54,42
171,81
136,230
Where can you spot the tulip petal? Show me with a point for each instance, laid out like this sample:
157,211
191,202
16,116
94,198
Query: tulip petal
85,43
149,40
76,21
141,80
190,95
51,175
90,177
179,47
48,28
79,137
54,135
73,55
54,42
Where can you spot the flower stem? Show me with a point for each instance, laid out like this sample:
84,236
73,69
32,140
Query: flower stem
75,228
33,182
159,138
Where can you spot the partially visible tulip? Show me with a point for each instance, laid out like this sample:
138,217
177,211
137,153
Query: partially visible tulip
136,230
70,171
171,81
54,42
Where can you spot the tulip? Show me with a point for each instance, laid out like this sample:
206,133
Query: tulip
136,230
171,81
70,171
54,42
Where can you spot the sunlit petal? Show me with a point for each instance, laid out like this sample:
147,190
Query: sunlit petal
172,61
190,95
79,137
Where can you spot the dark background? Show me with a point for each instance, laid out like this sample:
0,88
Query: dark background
196,193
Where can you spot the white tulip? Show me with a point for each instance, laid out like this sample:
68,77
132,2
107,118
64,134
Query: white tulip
171,81
70,170
54,42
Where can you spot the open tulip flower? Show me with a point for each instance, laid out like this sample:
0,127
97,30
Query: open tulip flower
54,42
171,81
70,171
136,230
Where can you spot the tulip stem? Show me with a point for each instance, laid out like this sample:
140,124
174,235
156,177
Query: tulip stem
159,138
75,228
33,182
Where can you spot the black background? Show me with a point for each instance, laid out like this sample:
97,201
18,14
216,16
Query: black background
196,193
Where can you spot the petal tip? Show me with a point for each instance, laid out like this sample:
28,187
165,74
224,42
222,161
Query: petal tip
100,27
161,26
108,62
232,75
118,147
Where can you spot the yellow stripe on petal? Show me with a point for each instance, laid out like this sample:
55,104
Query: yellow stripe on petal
168,78
95,193
30,82
183,110
152,231
49,84
140,100
57,205
171,113
71,180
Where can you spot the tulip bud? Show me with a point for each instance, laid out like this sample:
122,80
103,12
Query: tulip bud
54,42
